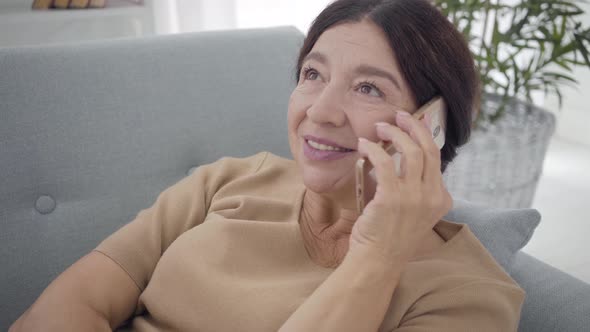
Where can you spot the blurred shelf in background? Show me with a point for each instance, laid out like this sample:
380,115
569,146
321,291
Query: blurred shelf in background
21,25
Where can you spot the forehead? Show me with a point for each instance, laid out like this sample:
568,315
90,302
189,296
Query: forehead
357,42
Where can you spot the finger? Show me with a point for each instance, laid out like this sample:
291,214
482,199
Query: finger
421,134
412,156
382,163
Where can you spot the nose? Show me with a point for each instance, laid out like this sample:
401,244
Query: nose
328,108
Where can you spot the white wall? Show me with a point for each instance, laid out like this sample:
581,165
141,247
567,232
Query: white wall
258,13
196,15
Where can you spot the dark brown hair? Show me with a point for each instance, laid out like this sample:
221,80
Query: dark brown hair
433,56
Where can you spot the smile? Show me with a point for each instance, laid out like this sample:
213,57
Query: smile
322,150
323,147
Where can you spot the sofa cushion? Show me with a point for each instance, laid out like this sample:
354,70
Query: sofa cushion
502,231
555,301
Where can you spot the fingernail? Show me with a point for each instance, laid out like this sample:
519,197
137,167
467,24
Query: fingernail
402,118
381,124
362,139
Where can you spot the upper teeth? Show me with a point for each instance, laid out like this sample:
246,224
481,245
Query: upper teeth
323,147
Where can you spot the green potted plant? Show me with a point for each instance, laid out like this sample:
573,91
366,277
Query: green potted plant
521,48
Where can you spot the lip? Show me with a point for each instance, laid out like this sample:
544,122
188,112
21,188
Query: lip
318,155
324,141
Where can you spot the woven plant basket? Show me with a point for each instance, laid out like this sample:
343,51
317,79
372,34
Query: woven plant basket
502,163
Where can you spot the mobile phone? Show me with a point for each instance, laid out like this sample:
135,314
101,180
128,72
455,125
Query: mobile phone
437,110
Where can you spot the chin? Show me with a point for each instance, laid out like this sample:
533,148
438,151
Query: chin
322,183
324,178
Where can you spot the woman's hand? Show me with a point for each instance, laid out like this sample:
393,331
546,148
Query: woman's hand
405,208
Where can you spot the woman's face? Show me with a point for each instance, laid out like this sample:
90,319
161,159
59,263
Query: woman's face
349,81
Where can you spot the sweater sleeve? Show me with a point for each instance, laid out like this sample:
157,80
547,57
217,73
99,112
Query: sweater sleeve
138,246
478,306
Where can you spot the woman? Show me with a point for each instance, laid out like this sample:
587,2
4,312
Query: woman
264,243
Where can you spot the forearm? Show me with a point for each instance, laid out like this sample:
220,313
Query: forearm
93,294
46,316
355,297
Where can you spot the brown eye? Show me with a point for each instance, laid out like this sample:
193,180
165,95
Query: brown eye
366,89
369,89
311,75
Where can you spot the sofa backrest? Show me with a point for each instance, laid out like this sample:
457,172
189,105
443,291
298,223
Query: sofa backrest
91,133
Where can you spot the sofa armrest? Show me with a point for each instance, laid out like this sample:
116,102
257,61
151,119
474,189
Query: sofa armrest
555,301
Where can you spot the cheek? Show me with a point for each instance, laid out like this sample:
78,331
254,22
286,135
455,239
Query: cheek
295,115
299,102
302,97
363,123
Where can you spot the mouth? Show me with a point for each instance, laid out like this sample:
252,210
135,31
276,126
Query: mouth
322,144
318,149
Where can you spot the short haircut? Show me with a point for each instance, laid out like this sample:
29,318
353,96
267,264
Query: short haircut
433,56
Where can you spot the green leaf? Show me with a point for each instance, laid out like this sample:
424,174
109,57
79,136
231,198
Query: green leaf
582,48
560,76
564,65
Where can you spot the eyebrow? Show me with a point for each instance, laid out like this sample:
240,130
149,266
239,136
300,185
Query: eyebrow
319,57
374,71
363,69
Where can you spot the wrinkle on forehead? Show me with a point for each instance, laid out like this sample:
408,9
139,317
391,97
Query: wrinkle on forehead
354,44
377,50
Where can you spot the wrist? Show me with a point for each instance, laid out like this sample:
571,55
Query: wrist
378,256
374,265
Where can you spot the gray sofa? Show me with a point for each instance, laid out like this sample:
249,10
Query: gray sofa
90,133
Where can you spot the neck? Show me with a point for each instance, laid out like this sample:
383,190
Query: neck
326,224
334,211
